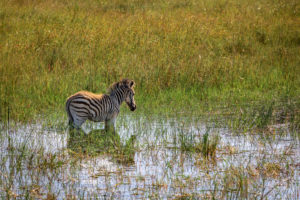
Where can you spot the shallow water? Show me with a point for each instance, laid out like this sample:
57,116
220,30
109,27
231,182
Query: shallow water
245,166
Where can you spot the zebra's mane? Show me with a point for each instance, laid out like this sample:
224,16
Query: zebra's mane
125,83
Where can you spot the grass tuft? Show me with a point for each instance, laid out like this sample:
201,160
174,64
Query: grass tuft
99,142
207,146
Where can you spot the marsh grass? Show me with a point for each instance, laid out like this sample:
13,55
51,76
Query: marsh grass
20,160
182,54
101,142
237,61
102,164
207,145
238,182
261,115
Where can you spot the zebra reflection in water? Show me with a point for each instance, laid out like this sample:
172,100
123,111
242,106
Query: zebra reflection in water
100,107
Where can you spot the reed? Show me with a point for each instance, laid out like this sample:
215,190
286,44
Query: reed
178,52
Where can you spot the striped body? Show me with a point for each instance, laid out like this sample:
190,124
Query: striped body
100,107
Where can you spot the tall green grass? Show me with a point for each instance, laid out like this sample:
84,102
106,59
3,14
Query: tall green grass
180,53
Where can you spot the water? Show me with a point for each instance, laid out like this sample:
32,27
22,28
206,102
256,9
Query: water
35,161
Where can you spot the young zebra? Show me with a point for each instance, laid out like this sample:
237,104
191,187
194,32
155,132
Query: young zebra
100,107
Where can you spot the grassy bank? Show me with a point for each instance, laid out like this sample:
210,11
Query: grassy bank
182,54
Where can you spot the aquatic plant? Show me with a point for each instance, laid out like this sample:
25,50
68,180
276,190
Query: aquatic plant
207,146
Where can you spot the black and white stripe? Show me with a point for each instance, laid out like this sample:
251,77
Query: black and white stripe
100,107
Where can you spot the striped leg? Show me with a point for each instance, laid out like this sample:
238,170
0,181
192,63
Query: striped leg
78,122
110,125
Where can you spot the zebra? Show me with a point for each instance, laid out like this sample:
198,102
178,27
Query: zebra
85,105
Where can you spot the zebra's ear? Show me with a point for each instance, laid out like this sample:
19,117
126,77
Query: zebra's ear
131,84
125,83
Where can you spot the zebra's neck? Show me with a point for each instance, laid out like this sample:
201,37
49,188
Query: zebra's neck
118,95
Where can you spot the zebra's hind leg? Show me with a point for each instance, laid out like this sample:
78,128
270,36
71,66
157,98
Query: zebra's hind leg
76,124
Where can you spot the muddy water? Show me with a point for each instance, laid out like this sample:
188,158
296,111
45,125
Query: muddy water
246,165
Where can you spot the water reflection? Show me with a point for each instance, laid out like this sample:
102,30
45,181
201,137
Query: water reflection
145,160
99,141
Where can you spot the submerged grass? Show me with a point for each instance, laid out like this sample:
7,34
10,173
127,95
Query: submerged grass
100,142
189,54
39,163
207,145
262,115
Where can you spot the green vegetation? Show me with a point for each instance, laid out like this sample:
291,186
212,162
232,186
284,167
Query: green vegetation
207,146
38,163
183,55
99,142
214,65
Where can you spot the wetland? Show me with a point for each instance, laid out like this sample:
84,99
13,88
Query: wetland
150,157
217,93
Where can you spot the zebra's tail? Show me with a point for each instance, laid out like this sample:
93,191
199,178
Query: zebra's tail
70,117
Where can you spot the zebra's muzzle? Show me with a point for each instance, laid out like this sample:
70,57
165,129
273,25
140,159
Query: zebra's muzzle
133,107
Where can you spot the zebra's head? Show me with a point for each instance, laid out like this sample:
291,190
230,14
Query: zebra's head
123,91
129,94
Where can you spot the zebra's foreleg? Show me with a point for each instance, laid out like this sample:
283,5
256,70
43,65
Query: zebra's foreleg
110,125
